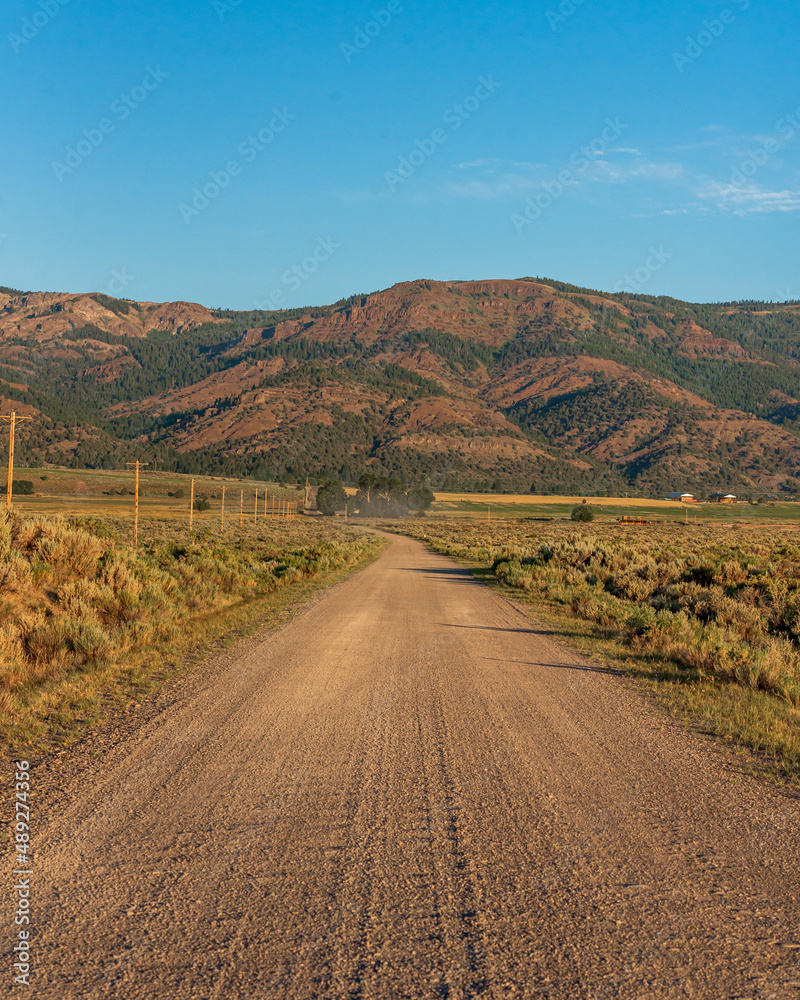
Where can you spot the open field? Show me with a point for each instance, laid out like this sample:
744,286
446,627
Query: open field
752,658
707,616
87,621
497,505
110,493
409,791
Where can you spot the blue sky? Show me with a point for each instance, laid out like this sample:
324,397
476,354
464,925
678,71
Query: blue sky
237,155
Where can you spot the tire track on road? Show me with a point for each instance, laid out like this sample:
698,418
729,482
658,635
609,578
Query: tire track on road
412,791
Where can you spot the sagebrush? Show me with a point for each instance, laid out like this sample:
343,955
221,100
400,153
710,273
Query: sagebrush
75,596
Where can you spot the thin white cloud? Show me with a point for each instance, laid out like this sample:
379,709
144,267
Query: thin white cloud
750,198
472,164
520,179
701,179
499,186
639,170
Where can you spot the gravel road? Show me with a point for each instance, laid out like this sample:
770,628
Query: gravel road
412,790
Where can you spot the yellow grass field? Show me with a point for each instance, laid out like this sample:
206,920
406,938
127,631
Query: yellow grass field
707,616
532,498
111,494
501,506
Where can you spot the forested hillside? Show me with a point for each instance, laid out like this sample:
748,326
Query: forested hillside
514,384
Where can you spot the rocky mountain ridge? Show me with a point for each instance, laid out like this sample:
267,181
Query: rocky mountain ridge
496,384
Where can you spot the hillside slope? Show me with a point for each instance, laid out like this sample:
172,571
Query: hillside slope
497,384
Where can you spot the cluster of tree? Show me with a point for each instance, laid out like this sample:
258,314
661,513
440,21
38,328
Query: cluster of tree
270,318
646,337
20,487
377,496
583,512
469,354
121,307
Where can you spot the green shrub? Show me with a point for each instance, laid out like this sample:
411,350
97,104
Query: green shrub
331,497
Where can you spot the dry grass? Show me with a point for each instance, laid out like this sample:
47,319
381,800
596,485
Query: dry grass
710,615
499,506
163,495
79,607
549,498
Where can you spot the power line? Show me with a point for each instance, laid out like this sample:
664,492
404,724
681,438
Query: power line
137,464
12,418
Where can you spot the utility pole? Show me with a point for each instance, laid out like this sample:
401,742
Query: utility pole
305,498
241,508
191,507
255,510
265,501
222,513
137,464
12,419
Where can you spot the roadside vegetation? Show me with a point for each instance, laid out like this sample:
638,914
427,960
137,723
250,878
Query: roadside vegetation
710,615
85,617
377,496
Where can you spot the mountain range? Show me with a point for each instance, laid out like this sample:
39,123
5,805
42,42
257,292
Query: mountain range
522,384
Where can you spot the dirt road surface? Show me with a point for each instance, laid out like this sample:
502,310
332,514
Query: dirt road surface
413,791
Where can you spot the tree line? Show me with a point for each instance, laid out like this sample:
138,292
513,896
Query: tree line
377,496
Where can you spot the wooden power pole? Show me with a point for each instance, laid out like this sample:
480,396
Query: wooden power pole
12,418
191,507
222,512
137,464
